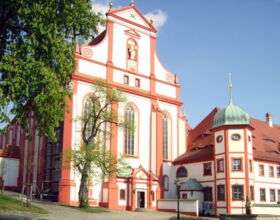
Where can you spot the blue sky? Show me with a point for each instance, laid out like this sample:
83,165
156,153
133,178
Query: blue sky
202,40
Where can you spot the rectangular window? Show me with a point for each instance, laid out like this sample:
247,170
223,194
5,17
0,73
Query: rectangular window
126,79
250,166
153,196
137,83
278,192
271,171
272,195
207,169
237,192
252,192
261,170
236,164
278,171
221,193
184,195
262,194
122,194
220,165
208,194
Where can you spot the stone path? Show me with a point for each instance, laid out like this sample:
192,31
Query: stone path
58,212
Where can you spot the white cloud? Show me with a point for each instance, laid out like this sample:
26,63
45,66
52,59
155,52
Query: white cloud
100,7
158,16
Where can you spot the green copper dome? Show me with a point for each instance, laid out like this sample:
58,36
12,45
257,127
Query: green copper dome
231,115
191,184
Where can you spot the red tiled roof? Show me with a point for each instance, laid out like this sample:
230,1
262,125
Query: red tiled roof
266,141
195,155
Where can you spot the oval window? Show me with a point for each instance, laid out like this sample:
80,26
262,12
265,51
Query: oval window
235,137
219,139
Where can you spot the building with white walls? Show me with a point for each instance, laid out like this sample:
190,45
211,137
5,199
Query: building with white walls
123,56
231,156
222,160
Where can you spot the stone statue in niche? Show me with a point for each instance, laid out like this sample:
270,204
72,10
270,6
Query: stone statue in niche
132,55
132,52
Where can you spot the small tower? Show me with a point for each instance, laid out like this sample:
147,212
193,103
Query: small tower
232,156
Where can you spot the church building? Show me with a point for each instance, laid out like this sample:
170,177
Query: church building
227,157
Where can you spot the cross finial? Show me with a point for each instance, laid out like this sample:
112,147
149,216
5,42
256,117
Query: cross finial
132,2
230,87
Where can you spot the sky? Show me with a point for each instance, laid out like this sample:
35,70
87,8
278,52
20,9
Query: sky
202,40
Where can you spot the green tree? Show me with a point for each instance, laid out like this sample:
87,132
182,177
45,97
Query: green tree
37,58
92,159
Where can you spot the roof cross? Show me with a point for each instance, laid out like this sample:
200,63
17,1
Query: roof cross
230,88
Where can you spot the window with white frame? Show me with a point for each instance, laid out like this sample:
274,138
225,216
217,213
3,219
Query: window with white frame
237,192
272,195
130,132
237,164
165,136
262,194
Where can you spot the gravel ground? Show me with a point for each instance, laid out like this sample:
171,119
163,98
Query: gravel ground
58,212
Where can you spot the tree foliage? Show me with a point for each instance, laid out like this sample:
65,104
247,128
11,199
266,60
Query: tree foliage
37,57
92,158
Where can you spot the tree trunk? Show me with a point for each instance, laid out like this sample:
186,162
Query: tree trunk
83,192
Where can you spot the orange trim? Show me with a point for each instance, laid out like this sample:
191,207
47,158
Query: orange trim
112,186
125,88
109,71
266,182
265,161
247,186
65,182
228,200
132,33
232,164
112,14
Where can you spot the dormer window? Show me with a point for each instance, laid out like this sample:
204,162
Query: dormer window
269,140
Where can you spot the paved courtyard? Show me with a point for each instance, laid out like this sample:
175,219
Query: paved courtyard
58,212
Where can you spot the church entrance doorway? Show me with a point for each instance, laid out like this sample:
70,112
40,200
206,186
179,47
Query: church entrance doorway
140,199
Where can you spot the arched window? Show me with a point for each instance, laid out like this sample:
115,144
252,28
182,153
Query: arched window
182,172
88,117
165,136
130,133
165,182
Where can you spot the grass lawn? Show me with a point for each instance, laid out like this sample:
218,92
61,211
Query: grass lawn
8,203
